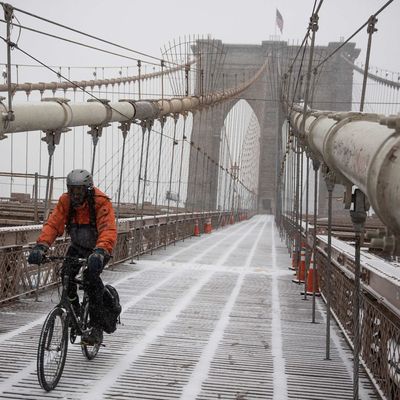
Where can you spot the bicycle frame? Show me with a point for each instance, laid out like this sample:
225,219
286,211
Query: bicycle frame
65,303
53,342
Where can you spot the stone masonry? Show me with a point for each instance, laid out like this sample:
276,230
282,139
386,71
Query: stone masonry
334,92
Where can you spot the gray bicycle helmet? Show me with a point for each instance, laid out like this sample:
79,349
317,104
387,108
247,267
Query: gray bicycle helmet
79,183
80,177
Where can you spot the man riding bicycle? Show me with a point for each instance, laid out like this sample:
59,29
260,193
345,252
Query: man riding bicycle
88,217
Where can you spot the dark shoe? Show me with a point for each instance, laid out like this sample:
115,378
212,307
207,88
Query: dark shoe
95,336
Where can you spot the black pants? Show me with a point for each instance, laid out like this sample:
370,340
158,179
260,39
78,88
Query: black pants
92,280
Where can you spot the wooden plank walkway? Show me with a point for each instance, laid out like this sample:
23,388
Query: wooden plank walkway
215,317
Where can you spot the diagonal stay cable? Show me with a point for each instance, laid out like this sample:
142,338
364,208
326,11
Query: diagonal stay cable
82,33
75,42
354,34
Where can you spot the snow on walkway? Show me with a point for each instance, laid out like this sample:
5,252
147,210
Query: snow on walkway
215,317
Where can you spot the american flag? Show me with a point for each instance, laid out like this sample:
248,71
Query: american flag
279,20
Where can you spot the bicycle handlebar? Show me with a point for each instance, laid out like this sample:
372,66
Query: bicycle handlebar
78,260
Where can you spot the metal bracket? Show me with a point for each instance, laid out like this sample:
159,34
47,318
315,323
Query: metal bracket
316,164
52,138
125,126
96,131
146,124
329,176
132,103
371,24
8,11
359,212
163,120
313,25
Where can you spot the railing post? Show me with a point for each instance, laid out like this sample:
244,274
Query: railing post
358,216
330,184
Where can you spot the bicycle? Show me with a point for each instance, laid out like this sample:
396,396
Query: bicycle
53,342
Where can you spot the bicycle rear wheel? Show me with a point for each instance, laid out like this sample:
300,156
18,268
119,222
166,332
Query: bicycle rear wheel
89,351
52,349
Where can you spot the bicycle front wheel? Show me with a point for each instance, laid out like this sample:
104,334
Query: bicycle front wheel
89,351
52,350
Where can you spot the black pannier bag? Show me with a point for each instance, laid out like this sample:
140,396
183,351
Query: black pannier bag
112,309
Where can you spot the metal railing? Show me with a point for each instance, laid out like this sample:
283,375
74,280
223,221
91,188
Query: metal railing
136,236
380,307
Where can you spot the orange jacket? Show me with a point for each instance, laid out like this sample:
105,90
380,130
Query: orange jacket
105,220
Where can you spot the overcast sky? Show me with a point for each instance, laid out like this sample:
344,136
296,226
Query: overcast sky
147,25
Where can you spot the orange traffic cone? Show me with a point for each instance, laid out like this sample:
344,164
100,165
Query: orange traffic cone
301,271
232,220
293,267
310,279
207,226
196,228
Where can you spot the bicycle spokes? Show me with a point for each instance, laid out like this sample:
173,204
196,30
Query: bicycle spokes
52,350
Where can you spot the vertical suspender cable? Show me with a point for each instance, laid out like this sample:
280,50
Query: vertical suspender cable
330,183
162,122
313,26
358,219
211,161
172,164
139,65
371,29
170,177
124,128
8,16
204,184
51,146
316,165
144,126
308,253
181,163
197,155
180,168
148,125
195,176
301,198
297,205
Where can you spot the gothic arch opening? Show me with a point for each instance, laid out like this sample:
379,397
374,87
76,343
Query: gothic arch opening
239,154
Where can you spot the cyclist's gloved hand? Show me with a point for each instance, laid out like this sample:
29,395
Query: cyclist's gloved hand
96,259
37,253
